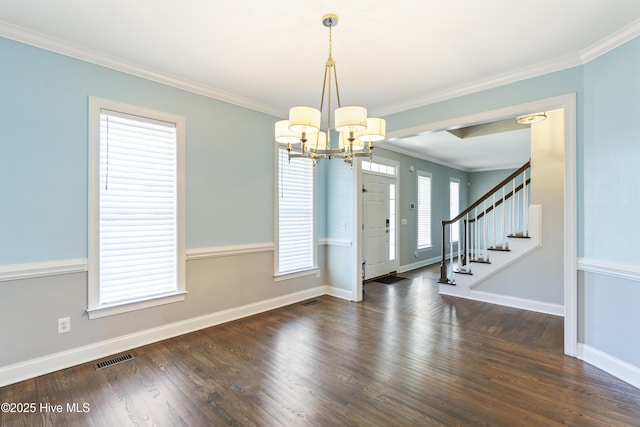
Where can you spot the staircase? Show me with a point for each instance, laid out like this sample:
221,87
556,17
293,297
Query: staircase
494,232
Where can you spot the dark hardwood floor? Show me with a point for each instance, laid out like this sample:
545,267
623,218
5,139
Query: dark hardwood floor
404,357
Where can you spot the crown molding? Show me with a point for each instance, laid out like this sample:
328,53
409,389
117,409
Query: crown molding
592,52
620,37
471,88
51,44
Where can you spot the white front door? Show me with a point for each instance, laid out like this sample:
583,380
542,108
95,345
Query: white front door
378,217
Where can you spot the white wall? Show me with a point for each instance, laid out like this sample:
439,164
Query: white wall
539,276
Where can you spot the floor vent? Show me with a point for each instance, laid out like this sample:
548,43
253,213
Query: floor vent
115,361
312,302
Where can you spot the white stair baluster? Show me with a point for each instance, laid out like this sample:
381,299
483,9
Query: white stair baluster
468,248
513,208
477,233
495,239
451,250
504,219
460,238
486,232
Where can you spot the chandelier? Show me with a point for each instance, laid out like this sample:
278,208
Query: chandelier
303,135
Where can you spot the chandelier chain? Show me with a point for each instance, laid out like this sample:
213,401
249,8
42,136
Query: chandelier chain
331,39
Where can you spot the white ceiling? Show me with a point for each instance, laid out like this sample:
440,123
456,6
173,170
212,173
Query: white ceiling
505,150
269,55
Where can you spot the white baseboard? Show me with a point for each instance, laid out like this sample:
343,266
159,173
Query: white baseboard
54,362
508,301
419,264
338,293
614,366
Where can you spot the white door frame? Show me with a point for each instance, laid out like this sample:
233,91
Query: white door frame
393,264
566,102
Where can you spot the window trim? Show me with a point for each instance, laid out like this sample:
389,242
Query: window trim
429,175
314,269
94,309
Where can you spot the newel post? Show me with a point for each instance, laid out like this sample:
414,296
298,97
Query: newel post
443,263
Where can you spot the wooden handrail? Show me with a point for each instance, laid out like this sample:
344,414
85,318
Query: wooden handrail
499,202
488,194
443,263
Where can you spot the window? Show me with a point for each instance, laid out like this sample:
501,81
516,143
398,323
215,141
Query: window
136,208
296,214
424,210
392,222
380,168
454,207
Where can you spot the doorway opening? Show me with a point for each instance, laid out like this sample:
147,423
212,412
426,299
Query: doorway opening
568,105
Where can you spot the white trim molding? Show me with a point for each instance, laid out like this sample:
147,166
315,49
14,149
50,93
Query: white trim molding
338,292
42,269
222,251
329,241
408,267
43,365
621,271
80,265
49,43
620,37
614,366
516,302
82,53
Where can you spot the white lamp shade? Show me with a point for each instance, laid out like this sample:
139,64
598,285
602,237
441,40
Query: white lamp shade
304,119
343,142
351,119
376,130
316,141
284,135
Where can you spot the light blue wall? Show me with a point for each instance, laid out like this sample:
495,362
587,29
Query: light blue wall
43,157
609,179
481,182
611,155
339,209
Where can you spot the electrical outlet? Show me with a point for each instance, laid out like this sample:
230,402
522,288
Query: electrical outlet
64,325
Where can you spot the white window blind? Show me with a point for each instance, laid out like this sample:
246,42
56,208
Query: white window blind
424,210
138,208
454,207
295,214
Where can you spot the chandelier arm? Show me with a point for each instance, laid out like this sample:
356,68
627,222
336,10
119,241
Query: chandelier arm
324,85
329,107
335,77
